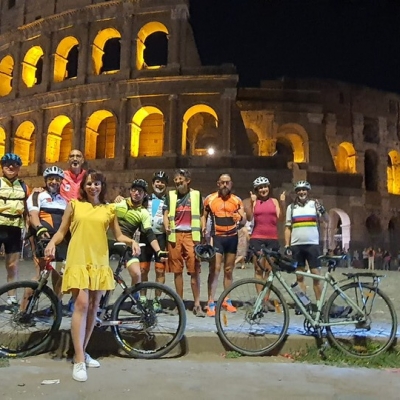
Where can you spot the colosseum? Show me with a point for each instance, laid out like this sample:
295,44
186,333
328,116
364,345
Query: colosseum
123,81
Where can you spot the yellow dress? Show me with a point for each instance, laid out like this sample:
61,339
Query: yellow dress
87,263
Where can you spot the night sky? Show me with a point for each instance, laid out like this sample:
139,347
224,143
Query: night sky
354,41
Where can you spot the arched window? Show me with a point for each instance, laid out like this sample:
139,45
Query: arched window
59,139
100,135
346,158
6,75
66,59
371,171
152,46
106,51
147,133
200,122
393,172
32,66
25,142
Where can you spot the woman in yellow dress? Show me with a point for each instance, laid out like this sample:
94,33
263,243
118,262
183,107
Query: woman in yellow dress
87,272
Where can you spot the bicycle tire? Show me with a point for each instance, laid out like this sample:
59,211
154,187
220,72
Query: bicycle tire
140,338
233,332
371,338
20,334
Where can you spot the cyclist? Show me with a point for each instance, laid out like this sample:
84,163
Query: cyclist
46,209
132,215
184,222
13,195
266,211
302,233
155,209
226,211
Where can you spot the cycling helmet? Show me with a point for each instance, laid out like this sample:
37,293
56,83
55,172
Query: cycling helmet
302,185
204,252
11,157
54,170
160,175
139,183
261,180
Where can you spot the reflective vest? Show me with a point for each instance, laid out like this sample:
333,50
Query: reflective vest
12,203
195,199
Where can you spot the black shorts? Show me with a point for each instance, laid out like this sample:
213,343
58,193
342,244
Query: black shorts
225,244
147,252
61,250
255,244
10,236
306,252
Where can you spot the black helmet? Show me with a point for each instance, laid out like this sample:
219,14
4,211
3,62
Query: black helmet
160,175
204,252
139,183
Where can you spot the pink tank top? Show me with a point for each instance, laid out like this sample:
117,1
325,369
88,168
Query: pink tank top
265,220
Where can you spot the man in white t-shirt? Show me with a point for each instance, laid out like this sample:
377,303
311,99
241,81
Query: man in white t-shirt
302,233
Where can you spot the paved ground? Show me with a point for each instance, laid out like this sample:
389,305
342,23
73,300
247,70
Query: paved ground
201,332
196,377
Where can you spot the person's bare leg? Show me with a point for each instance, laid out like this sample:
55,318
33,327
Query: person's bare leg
228,269
134,272
178,279
12,269
317,284
213,275
94,301
195,285
78,323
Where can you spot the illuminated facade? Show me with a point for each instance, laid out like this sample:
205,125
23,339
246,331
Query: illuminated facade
123,81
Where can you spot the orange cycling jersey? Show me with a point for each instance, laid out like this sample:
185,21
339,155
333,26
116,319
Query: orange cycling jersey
222,213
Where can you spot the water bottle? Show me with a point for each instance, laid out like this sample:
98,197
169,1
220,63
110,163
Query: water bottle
300,294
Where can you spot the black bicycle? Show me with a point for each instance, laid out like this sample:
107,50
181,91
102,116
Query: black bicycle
147,320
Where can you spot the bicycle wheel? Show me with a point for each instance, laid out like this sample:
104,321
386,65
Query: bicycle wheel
373,332
248,334
149,320
27,333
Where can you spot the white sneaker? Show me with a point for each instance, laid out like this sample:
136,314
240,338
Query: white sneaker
79,372
91,362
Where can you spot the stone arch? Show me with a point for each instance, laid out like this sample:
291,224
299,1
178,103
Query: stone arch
147,133
298,137
393,172
190,131
6,75
25,142
144,33
371,171
345,160
32,66
59,139
66,59
106,52
374,229
394,234
284,148
100,135
339,229
3,136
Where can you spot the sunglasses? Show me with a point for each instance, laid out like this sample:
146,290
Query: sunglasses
10,164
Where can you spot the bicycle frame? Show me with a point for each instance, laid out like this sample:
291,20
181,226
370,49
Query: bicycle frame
329,281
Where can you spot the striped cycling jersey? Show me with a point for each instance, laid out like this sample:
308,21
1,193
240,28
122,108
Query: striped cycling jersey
50,207
304,223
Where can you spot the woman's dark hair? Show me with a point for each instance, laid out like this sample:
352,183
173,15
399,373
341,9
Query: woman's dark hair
95,176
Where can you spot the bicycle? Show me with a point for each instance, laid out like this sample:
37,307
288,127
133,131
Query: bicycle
147,320
359,319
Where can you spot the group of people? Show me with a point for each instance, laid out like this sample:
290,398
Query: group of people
72,213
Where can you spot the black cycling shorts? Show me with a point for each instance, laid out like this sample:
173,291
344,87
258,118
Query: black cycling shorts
225,244
306,252
255,244
147,252
10,236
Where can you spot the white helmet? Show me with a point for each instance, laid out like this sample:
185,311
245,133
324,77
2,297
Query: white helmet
261,180
302,185
54,170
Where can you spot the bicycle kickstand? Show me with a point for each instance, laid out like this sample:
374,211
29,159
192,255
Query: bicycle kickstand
321,344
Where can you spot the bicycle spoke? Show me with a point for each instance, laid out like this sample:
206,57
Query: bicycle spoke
252,330
371,331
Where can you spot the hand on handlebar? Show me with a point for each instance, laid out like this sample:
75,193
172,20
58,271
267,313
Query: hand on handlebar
162,255
135,248
288,251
